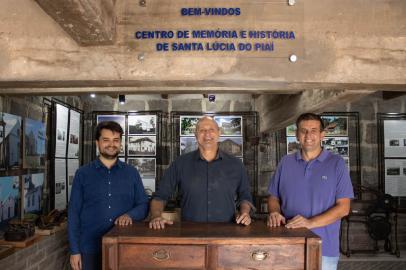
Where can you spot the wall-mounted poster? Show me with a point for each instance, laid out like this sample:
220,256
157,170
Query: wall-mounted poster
292,145
187,144
141,145
61,136
60,184
395,138
147,168
120,119
141,124
291,130
188,125
74,134
10,131
33,184
337,145
335,125
34,143
73,165
231,145
229,125
395,177
9,198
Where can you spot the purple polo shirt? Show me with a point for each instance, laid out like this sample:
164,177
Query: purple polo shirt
311,188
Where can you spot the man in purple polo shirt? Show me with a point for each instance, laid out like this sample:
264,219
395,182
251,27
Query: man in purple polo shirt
311,188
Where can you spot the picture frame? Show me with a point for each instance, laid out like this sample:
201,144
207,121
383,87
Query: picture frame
232,145
188,144
141,146
229,125
188,125
10,130
142,124
335,126
34,144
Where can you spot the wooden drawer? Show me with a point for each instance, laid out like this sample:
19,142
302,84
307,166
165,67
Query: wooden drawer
144,256
261,257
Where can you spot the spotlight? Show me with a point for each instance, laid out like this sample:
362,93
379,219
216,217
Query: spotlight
121,99
92,95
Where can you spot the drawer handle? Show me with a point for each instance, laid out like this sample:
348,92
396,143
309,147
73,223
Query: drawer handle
259,255
161,255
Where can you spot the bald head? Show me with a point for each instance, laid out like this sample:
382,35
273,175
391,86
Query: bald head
206,119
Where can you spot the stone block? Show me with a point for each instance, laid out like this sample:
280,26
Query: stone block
187,105
369,156
241,106
158,105
371,134
370,177
218,106
132,105
18,265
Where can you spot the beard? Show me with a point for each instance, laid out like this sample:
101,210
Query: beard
107,155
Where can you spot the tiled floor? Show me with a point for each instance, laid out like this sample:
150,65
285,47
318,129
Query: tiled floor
383,261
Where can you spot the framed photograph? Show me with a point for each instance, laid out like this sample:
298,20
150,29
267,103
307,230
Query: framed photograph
141,145
60,201
61,132
188,125
394,138
335,125
73,165
188,144
395,177
74,134
34,144
9,197
142,124
291,130
229,125
120,119
292,145
147,169
33,184
232,145
10,130
145,166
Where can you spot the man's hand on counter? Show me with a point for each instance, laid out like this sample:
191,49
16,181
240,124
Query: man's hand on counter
275,219
123,220
159,223
243,218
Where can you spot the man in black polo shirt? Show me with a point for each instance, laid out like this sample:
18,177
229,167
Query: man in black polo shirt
211,183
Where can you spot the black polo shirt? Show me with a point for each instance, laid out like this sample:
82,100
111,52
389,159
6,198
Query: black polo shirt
209,191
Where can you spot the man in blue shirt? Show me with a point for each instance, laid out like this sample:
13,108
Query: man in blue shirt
312,189
209,182
104,192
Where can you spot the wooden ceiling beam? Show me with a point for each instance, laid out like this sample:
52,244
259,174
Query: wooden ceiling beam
88,22
279,111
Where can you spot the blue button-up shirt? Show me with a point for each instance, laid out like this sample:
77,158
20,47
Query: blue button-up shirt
99,196
209,191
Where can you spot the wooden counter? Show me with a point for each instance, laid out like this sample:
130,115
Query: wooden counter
211,246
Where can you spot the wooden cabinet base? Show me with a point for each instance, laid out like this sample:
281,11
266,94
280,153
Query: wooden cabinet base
210,246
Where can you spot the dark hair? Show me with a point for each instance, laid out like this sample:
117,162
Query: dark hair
309,116
110,125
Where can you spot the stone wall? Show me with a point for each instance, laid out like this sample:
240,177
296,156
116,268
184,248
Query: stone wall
47,253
